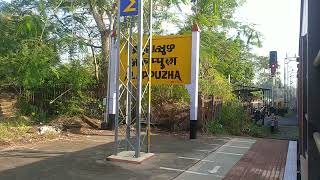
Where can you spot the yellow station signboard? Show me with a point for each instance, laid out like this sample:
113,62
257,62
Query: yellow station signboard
170,63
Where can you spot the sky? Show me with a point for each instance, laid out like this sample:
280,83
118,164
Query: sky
278,21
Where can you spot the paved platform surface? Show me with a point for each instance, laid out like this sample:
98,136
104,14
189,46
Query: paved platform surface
291,120
288,128
176,157
217,164
84,159
266,160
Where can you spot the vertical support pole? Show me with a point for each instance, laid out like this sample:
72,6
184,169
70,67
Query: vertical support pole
284,82
270,97
112,77
265,95
129,86
289,91
116,122
193,87
109,101
267,98
291,87
263,98
104,125
149,78
139,78
272,91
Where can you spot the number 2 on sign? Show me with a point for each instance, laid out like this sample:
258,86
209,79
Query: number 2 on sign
130,7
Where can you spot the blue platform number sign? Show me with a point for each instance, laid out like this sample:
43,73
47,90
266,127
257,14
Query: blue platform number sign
129,7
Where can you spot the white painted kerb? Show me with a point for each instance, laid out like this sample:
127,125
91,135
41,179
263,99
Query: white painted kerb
290,172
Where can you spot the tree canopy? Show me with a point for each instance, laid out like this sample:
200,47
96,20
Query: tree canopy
46,43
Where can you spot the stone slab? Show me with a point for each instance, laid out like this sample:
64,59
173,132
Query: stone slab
129,157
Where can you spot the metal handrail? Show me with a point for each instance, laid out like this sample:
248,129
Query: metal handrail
316,137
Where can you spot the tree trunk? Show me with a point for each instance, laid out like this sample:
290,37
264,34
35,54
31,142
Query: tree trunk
104,66
96,65
99,14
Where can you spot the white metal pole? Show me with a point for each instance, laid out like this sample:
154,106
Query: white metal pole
149,86
272,96
284,81
111,101
116,122
193,87
139,77
106,101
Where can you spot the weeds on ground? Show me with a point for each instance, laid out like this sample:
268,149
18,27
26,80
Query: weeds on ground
215,127
251,129
256,131
51,135
11,129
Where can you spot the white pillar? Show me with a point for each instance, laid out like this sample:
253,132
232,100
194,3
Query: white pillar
112,86
193,88
112,77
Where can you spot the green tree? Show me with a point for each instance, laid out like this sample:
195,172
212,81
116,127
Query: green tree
225,43
85,26
24,60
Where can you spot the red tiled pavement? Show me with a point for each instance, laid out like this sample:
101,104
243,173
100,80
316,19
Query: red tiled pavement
266,160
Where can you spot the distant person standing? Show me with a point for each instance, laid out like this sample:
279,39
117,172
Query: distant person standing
274,123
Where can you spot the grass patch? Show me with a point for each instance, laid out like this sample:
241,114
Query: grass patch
257,131
11,129
215,127
51,135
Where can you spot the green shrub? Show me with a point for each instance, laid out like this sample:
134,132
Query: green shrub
215,127
234,118
79,103
70,90
257,131
175,93
35,112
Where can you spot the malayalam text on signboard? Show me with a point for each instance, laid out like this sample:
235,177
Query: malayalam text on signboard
170,62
